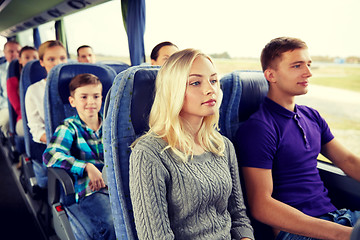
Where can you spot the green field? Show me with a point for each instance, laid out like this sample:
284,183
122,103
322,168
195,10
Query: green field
345,76
338,76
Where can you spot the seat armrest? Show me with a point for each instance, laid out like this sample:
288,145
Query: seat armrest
355,235
59,177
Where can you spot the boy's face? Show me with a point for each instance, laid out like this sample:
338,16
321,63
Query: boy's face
87,100
291,77
27,56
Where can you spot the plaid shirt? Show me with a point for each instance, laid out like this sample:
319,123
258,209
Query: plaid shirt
72,146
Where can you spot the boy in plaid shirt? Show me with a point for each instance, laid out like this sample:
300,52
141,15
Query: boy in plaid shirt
76,146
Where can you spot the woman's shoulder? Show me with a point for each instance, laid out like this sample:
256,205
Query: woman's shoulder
150,142
227,142
229,150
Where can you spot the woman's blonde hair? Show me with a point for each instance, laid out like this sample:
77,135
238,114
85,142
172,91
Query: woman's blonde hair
165,120
48,44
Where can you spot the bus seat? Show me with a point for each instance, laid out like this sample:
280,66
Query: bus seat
61,191
243,92
16,143
2,60
127,118
33,172
355,234
57,106
116,65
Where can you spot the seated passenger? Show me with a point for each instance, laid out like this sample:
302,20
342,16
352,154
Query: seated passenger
183,174
51,53
26,55
76,146
85,54
278,148
162,52
11,52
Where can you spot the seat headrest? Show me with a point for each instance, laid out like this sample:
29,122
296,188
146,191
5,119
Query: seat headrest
142,99
14,69
33,72
254,90
2,60
116,65
63,73
243,92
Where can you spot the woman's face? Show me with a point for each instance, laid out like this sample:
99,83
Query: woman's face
202,91
52,57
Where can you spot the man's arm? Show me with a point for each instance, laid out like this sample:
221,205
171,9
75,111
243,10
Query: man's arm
259,188
342,158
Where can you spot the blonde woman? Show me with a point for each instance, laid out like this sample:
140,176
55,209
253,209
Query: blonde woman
51,53
184,178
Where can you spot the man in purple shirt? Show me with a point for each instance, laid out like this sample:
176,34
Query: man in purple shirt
278,148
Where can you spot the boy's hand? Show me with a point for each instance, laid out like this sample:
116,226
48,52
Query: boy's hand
96,180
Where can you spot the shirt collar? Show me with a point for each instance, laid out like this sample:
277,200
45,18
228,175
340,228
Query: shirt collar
273,106
82,123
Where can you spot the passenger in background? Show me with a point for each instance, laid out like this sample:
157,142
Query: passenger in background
26,55
77,147
11,52
162,52
278,148
184,178
51,53
85,54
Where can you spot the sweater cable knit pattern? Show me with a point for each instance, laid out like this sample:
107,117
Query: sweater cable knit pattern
201,199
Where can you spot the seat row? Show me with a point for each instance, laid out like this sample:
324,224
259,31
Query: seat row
40,184
129,97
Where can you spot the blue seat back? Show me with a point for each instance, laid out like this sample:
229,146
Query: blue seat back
243,92
116,65
129,105
13,71
56,100
31,73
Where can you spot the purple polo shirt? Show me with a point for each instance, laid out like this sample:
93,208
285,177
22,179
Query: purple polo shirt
288,143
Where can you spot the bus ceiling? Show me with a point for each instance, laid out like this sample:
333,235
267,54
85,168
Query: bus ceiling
19,15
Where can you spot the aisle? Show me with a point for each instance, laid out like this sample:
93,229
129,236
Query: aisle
16,222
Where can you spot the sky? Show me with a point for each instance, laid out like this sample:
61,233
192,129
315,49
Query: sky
239,27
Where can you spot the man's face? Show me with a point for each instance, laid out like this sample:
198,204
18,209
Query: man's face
86,55
164,53
292,73
11,51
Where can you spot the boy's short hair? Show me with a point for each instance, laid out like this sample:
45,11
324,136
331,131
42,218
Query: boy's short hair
48,44
82,80
26,48
276,47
